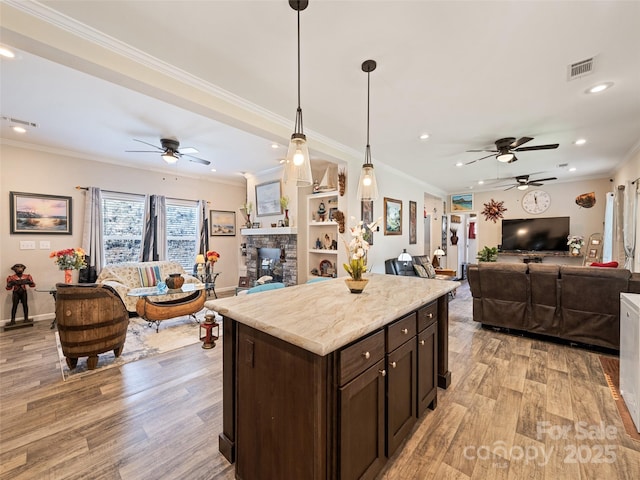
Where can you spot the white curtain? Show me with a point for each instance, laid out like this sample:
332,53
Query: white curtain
92,235
154,234
629,224
607,247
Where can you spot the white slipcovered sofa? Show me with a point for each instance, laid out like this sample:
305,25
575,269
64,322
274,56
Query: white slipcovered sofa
125,276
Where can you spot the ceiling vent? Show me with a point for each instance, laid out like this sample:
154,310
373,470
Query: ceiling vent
563,165
17,121
580,69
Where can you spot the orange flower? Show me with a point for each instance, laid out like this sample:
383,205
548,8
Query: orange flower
213,256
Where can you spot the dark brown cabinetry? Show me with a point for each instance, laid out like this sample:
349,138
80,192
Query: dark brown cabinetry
342,415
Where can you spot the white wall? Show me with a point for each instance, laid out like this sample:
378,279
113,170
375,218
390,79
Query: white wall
25,170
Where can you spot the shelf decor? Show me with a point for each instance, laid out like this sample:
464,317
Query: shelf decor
493,210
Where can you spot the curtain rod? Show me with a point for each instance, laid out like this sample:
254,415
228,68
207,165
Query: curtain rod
78,187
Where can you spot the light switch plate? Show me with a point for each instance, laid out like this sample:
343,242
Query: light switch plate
27,245
45,245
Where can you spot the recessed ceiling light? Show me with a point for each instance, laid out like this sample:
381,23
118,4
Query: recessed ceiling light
480,182
274,145
580,141
459,164
424,136
572,169
601,87
213,170
5,52
18,129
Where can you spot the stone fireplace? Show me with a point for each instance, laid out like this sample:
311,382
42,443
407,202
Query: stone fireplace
277,253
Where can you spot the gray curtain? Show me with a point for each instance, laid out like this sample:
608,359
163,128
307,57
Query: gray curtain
203,221
92,236
154,246
618,219
629,224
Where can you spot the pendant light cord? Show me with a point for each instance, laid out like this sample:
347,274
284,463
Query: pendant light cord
298,126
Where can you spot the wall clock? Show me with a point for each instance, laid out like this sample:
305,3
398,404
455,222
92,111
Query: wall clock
536,201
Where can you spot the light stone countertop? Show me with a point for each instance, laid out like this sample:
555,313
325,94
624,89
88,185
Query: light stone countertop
321,317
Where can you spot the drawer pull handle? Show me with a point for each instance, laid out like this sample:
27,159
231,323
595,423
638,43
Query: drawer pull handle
421,342
383,372
405,330
430,315
366,355
393,364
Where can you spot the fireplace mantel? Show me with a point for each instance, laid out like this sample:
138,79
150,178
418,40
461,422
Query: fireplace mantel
270,231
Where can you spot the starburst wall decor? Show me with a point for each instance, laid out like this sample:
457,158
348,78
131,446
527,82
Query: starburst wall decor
493,210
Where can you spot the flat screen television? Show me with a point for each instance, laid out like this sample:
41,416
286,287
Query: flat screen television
535,234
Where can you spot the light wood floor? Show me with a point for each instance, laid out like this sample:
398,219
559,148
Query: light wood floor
159,418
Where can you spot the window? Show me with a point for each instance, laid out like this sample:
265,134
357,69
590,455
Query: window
123,218
182,232
123,221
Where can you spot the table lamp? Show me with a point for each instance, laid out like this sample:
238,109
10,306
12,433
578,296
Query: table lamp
200,262
404,257
436,257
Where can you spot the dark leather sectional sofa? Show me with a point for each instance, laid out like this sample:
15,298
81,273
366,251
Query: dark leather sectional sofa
578,304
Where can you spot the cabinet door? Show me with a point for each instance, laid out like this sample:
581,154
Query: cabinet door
427,368
361,437
401,394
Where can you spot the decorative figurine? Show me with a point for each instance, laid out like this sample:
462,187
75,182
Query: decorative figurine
322,212
19,282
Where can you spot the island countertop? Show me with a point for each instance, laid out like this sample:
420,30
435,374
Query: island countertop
324,316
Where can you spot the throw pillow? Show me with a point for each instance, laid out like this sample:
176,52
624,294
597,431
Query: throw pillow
420,271
431,271
149,276
606,264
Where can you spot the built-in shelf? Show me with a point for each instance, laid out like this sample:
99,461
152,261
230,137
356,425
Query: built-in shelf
323,250
320,224
270,231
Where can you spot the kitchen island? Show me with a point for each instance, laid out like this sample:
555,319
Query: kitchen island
321,383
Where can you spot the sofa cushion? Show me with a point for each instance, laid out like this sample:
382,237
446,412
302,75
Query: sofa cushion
149,275
421,271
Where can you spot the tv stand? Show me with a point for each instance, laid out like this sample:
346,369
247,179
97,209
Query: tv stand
558,258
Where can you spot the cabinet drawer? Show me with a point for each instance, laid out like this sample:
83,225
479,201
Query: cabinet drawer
427,315
361,355
400,331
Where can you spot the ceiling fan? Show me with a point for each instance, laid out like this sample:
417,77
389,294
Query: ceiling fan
170,151
523,182
506,146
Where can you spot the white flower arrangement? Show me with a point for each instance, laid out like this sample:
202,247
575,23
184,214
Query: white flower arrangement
357,249
575,241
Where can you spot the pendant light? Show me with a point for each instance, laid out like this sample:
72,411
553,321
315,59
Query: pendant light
367,185
297,165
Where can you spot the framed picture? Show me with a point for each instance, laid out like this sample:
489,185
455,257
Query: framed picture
413,228
366,214
222,223
332,212
462,202
268,198
243,282
392,216
444,234
593,253
36,213
256,225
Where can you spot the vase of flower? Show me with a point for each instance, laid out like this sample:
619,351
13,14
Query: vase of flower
68,276
174,281
286,218
575,252
356,286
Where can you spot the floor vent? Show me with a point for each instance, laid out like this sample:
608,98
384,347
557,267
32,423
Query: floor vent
580,69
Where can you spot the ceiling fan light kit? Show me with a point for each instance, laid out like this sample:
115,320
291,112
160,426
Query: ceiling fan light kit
505,148
367,184
170,151
297,164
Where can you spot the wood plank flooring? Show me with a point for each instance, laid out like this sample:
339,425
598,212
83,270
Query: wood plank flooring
502,417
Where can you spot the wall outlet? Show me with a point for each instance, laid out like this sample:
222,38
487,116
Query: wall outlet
45,245
27,245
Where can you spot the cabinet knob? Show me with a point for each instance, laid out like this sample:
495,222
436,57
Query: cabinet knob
383,372
405,330
366,355
430,315
421,342
393,364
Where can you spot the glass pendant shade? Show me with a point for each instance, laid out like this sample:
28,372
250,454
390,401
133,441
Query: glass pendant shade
297,164
169,158
367,185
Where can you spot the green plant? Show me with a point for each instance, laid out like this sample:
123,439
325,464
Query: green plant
488,254
284,202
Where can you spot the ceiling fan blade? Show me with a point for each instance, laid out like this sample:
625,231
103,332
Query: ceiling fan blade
141,151
150,144
534,184
494,151
187,150
509,188
478,159
191,158
551,146
520,141
544,179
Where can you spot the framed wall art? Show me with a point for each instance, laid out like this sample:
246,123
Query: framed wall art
413,227
37,213
268,199
222,223
392,216
462,202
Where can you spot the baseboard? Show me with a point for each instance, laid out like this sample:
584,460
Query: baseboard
35,318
